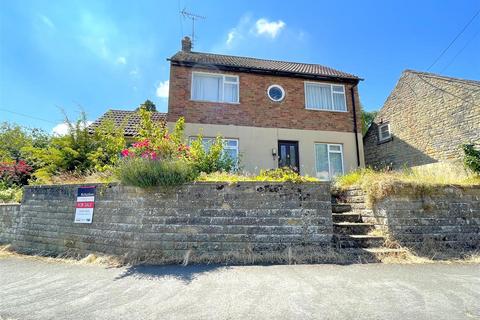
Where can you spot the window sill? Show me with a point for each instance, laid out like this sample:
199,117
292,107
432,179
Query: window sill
217,102
384,141
325,110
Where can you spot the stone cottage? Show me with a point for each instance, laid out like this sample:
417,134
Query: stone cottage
425,120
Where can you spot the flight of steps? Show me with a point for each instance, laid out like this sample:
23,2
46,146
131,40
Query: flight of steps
349,231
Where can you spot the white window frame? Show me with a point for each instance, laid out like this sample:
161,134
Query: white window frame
306,83
225,146
279,87
328,157
380,137
222,94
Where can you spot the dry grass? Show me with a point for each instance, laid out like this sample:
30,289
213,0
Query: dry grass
291,255
91,259
419,180
77,178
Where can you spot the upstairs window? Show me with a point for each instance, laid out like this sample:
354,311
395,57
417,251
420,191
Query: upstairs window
384,133
214,87
324,96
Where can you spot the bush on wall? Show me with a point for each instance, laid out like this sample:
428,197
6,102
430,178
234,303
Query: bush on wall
472,158
161,158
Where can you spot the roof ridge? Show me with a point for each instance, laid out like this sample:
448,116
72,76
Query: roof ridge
121,110
436,75
262,59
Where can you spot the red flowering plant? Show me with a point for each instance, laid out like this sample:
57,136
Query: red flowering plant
15,173
156,143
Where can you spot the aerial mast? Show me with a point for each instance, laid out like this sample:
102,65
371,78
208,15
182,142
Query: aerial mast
192,16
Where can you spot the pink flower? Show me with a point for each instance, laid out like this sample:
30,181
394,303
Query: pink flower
125,153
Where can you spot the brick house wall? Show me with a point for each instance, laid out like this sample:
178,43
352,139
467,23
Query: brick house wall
430,117
255,108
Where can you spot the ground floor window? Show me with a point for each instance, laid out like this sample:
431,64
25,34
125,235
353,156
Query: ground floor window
328,160
230,146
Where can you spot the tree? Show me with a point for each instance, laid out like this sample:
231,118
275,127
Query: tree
367,119
148,105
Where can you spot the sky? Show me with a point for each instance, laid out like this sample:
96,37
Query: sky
61,57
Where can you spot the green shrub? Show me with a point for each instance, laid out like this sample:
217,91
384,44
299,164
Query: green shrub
472,158
212,159
10,194
284,174
274,175
144,173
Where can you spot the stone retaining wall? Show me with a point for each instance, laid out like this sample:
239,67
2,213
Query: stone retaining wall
202,218
8,220
442,217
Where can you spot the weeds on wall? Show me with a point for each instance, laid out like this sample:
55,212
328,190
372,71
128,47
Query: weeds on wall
378,184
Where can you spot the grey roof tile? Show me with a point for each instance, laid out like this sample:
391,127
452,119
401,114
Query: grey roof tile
129,119
295,68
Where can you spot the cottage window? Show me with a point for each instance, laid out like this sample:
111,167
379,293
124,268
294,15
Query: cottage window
328,160
324,96
384,133
214,87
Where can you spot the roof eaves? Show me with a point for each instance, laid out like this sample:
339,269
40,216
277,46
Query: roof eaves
265,71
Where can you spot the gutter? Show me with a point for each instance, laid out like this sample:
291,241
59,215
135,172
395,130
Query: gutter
352,92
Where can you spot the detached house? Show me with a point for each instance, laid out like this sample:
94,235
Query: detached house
270,113
425,120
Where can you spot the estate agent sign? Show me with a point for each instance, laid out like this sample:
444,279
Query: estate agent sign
85,204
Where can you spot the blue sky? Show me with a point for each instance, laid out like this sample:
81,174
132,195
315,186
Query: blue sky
95,55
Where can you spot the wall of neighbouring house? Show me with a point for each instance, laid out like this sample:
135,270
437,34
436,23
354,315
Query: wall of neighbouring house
255,109
207,219
430,117
256,144
435,218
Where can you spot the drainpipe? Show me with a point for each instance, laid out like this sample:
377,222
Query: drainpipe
352,90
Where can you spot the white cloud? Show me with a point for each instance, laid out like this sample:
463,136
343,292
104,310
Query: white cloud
46,20
269,28
62,129
122,60
162,89
230,37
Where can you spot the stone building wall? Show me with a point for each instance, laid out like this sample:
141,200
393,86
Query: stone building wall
203,218
444,217
430,117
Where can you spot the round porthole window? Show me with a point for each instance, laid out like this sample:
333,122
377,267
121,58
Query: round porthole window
276,93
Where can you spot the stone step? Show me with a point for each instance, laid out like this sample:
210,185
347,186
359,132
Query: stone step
346,217
340,208
358,241
352,228
373,255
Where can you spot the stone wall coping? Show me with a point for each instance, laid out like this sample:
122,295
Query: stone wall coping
114,184
12,204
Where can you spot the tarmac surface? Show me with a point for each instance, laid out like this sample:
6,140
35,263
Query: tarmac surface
39,289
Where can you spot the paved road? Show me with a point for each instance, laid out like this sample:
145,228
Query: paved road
32,289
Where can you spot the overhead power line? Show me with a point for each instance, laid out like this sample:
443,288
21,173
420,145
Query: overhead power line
460,51
27,116
454,39
446,91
